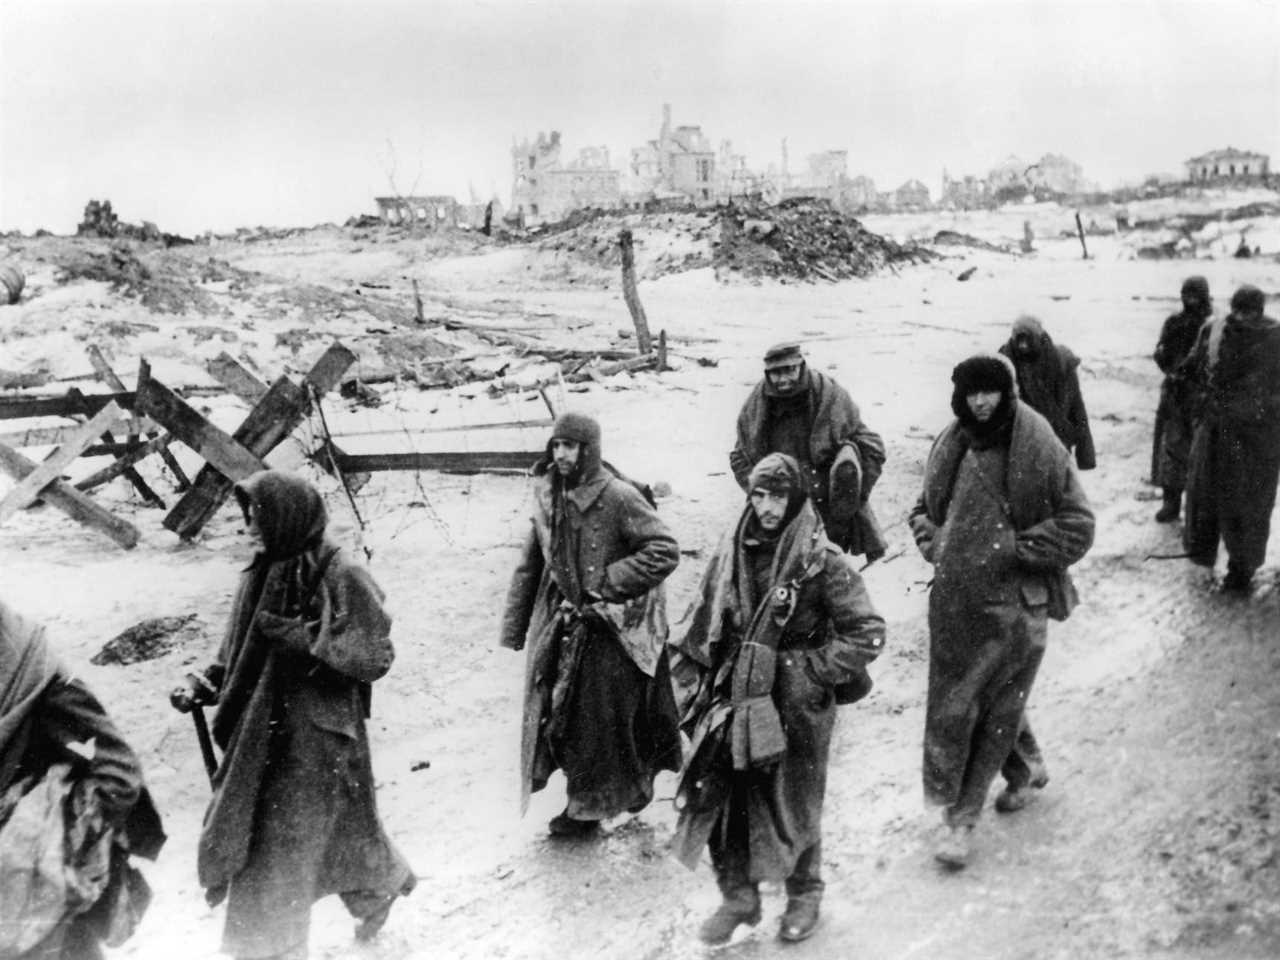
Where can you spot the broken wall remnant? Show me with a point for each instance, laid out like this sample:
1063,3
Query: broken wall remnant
430,212
545,189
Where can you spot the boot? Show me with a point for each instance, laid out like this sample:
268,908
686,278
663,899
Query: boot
736,909
1171,507
954,849
799,921
1238,581
564,826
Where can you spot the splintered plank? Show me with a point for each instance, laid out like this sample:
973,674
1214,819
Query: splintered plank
108,376
29,487
79,506
237,378
127,460
215,446
275,415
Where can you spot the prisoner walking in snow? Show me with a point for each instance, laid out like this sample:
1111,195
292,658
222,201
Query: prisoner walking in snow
73,809
1001,517
1173,415
293,816
1234,371
808,416
587,598
781,631
1049,383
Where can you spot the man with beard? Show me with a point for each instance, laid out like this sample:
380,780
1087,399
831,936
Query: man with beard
587,596
293,816
73,809
1173,416
811,418
1049,384
1234,370
781,632
1001,517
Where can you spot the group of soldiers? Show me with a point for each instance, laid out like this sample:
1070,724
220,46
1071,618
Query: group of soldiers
739,698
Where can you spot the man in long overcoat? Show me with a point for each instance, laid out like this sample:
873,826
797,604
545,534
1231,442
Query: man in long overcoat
587,598
293,816
1234,371
1049,383
1001,517
1173,416
780,632
808,416
73,809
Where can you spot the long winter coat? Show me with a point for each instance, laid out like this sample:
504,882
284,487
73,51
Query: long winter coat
293,816
1234,372
1174,423
834,426
1000,541
615,545
1050,385
826,632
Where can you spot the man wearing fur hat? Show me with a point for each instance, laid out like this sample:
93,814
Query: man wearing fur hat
1235,449
781,631
587,597
811,418
1001,517
1049,384
1173,416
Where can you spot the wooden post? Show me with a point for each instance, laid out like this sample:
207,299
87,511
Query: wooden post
662,351
108,376
108,438
644,342
417,303
1080,232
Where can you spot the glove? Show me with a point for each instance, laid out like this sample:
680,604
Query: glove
194,691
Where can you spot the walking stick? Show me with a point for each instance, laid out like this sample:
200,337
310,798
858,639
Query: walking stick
206,743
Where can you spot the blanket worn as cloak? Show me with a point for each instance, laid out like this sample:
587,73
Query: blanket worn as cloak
824,637
1000,525
293,816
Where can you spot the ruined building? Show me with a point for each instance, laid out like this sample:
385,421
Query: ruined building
544,189
680,164
1228,164
433,213
912,195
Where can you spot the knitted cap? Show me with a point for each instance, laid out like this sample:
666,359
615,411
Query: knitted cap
776,473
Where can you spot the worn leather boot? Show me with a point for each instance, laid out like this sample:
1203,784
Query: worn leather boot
799,921
719,927
1172,506
566,827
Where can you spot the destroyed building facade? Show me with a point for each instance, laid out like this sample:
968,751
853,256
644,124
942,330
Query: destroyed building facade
544,188
679,164
430,212
1228,164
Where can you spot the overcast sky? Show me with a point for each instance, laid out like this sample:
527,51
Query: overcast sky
211,114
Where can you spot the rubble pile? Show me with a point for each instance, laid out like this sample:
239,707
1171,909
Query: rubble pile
807,239
953,238
100,220
665,242
165,289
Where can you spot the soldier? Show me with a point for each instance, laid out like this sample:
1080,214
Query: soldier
1048,383
1001,517
811,418
587,597
781,632
1173,416
293,816
1234,370
65,770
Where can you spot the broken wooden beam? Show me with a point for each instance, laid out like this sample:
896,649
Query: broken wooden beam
18,408
79,506
471,461
125,461
275,415
53,436
28,488
236,377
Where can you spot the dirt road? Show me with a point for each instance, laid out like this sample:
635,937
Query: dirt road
1156,705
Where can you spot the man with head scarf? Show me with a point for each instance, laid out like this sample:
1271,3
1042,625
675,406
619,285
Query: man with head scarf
1001,517
293,816
587,598
808,416
1173,416
1234,372
781,631
1048,383
73,809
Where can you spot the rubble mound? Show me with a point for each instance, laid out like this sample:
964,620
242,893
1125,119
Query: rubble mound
147,640
165,286
666,242
807,239
100,220
953,238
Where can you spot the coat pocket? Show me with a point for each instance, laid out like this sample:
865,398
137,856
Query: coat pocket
1035,592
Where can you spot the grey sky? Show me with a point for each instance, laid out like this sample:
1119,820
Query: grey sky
209,114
